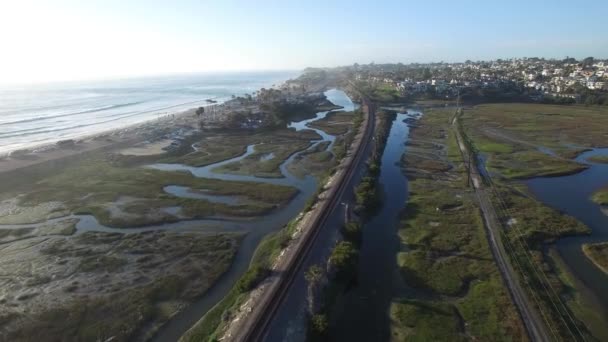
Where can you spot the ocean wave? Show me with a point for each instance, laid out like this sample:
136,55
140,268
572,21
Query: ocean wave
86,111
110,118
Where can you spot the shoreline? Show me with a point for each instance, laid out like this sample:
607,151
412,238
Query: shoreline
593,256
130,135
241,256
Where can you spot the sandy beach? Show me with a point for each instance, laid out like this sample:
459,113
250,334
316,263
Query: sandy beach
138,139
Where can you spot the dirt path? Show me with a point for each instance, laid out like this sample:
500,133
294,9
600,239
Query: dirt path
534,325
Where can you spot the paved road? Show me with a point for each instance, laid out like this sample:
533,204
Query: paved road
535,327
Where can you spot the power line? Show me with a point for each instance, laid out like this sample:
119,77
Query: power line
535,267
464,158
531,262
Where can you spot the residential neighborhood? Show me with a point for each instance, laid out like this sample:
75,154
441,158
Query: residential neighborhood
538,79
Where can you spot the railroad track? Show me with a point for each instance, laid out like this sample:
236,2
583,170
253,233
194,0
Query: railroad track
260,323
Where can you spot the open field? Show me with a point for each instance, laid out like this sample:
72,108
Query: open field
598,253
100,286
531,140
458,291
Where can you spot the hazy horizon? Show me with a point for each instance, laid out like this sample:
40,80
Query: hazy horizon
68,40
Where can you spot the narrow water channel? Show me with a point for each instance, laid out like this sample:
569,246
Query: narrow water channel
571,195
364,314
256,229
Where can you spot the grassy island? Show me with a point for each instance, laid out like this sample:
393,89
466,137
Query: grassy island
598,159
598,254
601,197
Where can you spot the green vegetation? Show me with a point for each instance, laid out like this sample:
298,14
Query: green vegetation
342,271
584,308
343,260
458,292
598,254
134,196
380,92
213,150
540,137
536,223
600,197
334,123
314,161
352,232
318,327
270,247
342,143
367,194
489,146
222,145
318,159
530,164
414,320
598,159
118,309
102,263
265,161
212,323
532,140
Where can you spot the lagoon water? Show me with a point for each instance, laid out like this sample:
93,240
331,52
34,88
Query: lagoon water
255,229
572,195
377,263
45,113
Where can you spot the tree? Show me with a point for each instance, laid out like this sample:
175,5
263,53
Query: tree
252,278
352,232
587,62
313,276
426,74
344,259
591,100
319,325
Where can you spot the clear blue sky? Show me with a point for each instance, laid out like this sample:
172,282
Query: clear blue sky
69,39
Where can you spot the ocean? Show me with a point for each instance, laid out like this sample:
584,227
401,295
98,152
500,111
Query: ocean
41,114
